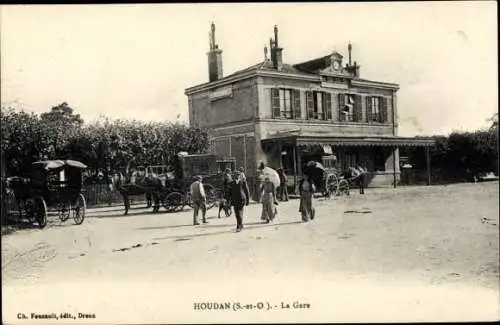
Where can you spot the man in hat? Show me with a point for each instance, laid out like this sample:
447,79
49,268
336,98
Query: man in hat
283,190
199,200
224,203
242,171
239,196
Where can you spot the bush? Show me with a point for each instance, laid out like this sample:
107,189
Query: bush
104,145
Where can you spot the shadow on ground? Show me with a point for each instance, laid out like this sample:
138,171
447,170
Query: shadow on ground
247,226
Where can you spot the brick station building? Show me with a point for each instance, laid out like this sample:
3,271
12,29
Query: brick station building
287,115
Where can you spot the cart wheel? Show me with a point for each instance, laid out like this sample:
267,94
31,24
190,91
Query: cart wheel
174,202
79,209
189,201
331,187
211,195
65,212
12,207
40,211
343,188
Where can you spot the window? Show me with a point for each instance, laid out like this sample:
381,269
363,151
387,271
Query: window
285,103
349,108
376,109
319,105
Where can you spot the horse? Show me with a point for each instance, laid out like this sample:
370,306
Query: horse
19,187
150,185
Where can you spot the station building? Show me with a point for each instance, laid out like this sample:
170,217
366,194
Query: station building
288,114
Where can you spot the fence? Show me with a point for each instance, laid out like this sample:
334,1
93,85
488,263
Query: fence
438,176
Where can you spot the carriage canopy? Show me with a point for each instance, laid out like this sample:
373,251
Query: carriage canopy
57,164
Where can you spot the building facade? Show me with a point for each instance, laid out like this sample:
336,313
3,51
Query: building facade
286,115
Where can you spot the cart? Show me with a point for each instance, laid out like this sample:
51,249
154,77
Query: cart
52,186
186,167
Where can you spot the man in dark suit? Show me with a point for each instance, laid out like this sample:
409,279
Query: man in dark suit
239,197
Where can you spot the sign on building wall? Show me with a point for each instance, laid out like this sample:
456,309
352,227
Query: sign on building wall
334,85
221,93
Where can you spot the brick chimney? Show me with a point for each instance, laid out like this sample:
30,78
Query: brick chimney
352,69
276,51
214,58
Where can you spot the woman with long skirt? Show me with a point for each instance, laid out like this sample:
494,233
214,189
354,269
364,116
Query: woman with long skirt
306,190
268,200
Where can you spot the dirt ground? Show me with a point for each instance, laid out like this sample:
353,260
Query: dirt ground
406,254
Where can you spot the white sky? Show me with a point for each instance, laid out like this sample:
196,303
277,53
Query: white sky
134,61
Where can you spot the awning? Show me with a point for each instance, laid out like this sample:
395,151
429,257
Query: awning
390,141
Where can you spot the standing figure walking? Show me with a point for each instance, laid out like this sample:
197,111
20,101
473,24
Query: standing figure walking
239,197
361,179
199,200
306,190
283,190
268,200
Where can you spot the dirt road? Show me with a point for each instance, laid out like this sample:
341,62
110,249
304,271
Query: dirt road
405,254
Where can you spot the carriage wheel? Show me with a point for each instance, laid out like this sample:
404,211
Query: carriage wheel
79,209
211,195
331,186
39,211
189,201
65,212
343,188
174,202
12,207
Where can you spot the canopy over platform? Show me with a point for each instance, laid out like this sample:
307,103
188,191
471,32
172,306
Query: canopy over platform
392,141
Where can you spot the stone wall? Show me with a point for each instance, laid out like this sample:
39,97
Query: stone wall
240,105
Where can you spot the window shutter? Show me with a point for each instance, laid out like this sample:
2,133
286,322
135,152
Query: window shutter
358,113
341,106
368,109
328,105
310,104
296,104
383,109
275,102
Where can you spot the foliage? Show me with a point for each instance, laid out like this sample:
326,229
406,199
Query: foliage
462,153
104,145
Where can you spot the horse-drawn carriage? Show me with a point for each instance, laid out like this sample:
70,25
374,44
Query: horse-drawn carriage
51,186
185,169
328,180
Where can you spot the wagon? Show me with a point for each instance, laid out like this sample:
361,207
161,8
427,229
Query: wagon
329,181
186,167
52,186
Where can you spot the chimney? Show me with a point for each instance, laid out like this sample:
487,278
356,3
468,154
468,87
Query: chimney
352,69
276,51
349,48
214,57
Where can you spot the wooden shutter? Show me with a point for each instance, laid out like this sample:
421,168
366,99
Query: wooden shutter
327,106
341,107
383,109
358,112
275,102
368,109
296,104
310,104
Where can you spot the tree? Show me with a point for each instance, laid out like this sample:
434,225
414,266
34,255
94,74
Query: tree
62,114
62,126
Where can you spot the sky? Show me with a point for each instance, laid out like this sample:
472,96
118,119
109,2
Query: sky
135,60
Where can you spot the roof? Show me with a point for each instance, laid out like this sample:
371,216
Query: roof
267,66
307,69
